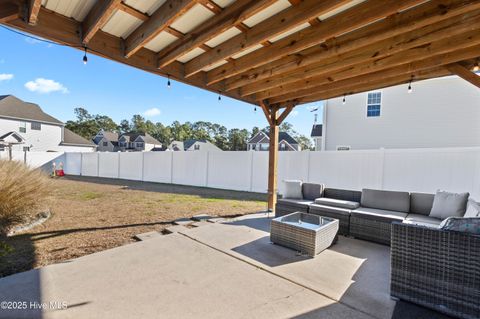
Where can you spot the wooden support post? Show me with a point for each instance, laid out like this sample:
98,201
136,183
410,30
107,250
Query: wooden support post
272,160
274,119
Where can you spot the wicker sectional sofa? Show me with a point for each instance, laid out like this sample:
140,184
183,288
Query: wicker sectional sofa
430,266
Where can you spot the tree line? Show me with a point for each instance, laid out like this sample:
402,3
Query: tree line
88,125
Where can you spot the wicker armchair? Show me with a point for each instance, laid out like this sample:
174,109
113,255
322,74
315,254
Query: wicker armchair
436,268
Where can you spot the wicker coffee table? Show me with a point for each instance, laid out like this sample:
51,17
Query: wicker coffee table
307,233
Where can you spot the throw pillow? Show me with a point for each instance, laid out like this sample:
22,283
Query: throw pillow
293,189
463,224
473,209
446,204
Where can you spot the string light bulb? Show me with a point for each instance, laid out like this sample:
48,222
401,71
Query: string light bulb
219,96
476,67
169,85
410,85
344,100
85,59
255,109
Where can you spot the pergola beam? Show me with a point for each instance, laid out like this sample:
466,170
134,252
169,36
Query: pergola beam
159,21
269,28
371,59
464,73
63,30
346,21
232,16
413,19
33,9
411,68
385,82
97,18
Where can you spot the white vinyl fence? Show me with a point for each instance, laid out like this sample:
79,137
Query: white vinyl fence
423,170
35,159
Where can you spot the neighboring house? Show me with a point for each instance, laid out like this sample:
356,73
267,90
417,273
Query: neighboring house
317,136
193,145
137,142
126,142
442,112
39,131
261,142
106,141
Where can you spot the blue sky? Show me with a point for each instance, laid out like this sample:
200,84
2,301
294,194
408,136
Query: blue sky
110,88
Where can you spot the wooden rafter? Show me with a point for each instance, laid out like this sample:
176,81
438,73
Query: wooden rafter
64,30
97,18
269,28
349,20
266,110
409,69
288,108
133,12
159,21
464,73
386,82
33,9
8,12
231,16
418,17
373,58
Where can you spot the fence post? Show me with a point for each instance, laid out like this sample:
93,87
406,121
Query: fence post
308,166
81,163
171,167
143,166
118,169
382,169
251,171
98,165
206,169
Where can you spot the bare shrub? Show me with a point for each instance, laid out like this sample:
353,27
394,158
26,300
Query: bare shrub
24,192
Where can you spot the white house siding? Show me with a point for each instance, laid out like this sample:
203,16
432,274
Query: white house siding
441,112
47,139
71,148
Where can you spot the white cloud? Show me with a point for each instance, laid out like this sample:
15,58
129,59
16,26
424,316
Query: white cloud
294,113
152,112
32,41
5,76
42,86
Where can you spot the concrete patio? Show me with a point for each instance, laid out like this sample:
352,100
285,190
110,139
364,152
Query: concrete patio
216,270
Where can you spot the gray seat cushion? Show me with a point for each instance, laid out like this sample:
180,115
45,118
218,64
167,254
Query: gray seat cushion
337,203
301,203
420,219
421,203
318,209
473,209
312,191
381,214
447,204
343,194
386,200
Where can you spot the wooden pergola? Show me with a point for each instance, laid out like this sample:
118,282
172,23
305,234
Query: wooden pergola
276,54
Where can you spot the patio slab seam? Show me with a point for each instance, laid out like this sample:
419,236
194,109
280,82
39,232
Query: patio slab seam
278,275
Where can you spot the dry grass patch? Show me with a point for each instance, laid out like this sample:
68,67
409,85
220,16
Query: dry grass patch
90,215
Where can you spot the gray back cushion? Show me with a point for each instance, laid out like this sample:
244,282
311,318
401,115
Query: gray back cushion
421,203
293,189
473,209
342,194
446,204
312,191
387,200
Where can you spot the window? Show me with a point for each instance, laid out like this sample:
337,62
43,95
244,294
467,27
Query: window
282,146
343,148
374,102
105,143
122,144
36,126
139,145
23,128
26,148
196,147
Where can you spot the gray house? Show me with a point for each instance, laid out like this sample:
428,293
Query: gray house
106,141
126,142
193,145
137,142
261,142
